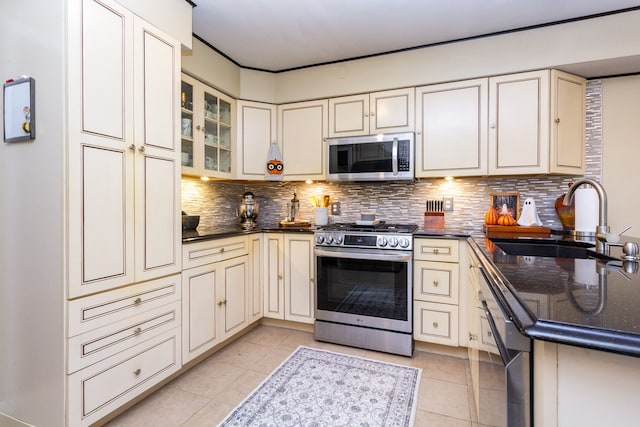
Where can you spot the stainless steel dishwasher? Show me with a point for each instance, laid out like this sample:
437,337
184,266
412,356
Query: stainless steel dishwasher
500,356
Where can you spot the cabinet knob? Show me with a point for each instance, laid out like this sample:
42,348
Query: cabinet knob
435,283
312,280
197,127
435,251
141,149
221,250
279,276
137,331
558,120
373,113
137,372
492,126
137,301
471,337
132,147
435,324
222,302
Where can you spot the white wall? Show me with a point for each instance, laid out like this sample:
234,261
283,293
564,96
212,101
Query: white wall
621,151
560,46
32,223
577,47
212,68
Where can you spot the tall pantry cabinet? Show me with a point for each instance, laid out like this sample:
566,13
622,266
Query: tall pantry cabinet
124,229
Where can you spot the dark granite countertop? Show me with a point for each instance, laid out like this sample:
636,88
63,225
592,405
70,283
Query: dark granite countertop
592,303
230,230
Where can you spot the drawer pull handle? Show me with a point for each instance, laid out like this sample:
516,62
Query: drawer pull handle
471,337
435,283
435,251
221,250
137,372
435,324
489,334
137,331
222,302
137,301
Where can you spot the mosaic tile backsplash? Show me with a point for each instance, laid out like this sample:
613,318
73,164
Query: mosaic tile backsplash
216,201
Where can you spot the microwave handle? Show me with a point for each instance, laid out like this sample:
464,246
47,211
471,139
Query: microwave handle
394,156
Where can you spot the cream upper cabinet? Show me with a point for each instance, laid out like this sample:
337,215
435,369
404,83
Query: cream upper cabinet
451,129
256,131
302,129
378,112
536,123
123,164
207,130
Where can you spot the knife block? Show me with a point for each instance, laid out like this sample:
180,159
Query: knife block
434,220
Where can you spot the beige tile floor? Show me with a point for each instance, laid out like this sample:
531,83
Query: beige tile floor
204,395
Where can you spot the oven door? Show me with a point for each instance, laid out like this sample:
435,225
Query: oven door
365,287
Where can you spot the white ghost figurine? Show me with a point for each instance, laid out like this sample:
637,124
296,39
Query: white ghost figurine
529,215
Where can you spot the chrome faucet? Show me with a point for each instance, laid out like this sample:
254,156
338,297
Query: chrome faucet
602,231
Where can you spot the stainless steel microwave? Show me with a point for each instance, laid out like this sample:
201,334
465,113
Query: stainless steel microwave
385,157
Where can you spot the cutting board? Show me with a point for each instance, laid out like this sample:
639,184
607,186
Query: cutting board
294,224
534,229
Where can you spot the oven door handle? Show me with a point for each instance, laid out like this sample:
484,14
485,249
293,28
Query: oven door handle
364,254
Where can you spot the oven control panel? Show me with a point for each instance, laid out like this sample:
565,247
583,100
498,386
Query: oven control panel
387,241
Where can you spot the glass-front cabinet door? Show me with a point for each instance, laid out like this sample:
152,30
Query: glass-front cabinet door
186,133
210,141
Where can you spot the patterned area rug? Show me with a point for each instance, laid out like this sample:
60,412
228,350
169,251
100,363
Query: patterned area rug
322,388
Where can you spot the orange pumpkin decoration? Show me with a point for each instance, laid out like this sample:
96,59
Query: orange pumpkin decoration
491,217
506,220
491,247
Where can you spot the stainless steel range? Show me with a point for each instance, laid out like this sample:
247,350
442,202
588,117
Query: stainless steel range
364,286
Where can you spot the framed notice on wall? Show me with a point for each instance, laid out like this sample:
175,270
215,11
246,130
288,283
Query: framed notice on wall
19,109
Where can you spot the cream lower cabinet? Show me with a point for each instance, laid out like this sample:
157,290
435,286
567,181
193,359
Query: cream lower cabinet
215,295
289,271
436,280
371,113
121,343
536,123
302,129
451,129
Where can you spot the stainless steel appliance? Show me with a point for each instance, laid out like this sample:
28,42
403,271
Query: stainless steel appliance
364,286
385,157
501,369
248,211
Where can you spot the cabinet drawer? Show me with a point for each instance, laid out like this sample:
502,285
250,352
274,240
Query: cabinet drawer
98,310
436,323
103,387
201,253
99,344
435,250
436,281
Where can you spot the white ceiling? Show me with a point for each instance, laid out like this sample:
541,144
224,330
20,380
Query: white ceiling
276,35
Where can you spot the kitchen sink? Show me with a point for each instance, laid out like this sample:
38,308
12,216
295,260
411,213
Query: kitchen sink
548,248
